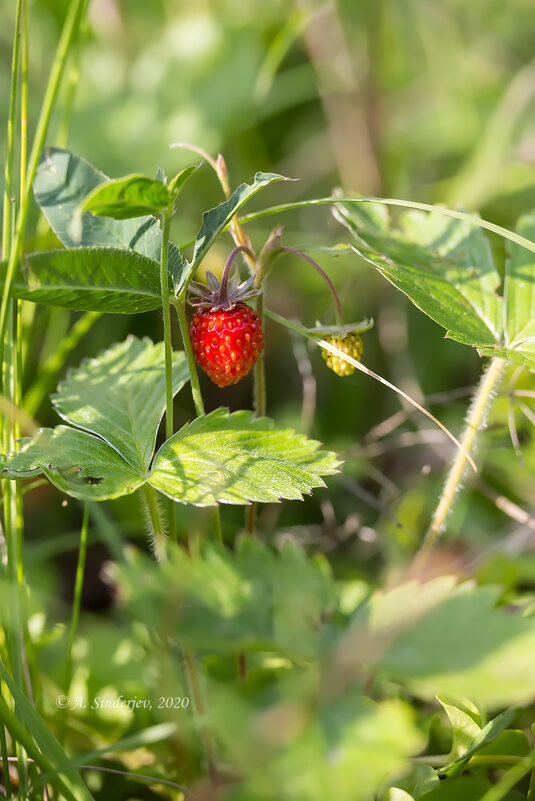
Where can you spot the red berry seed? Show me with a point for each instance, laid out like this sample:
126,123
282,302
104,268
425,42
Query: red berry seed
226,343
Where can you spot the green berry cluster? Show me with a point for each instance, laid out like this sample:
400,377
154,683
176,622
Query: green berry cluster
350,344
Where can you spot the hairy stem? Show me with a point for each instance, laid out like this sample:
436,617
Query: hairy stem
155,519
474,425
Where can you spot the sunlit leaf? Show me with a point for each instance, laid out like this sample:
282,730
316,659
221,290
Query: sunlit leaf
237,458
443,265
88,279
124,198
120,395
75,462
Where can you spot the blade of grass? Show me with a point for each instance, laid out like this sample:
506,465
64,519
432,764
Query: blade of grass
41,745
76,603
72,23
512,236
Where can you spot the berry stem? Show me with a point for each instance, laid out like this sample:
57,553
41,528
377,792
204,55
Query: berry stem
168,349
474,424
321,271
180,307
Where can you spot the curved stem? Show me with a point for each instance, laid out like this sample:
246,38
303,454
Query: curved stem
389,201
474,425
321,271
227,268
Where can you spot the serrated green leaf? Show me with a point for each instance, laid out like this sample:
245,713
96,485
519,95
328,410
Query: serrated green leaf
124,198
443,265
439,638
236,458
120,396
215,220
62,182
88,279
75,462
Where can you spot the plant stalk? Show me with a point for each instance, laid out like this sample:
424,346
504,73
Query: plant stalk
168,349
77,597
198,699
474,425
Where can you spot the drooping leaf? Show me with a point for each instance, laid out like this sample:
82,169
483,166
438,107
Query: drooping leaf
439,638
235,458
443,265
215,220
62,182
88,279
75,462
120,396
124,198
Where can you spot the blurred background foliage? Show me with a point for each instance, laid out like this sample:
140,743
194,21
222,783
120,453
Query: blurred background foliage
398,98
431,102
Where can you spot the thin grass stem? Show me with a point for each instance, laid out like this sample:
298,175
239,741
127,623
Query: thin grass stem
70,28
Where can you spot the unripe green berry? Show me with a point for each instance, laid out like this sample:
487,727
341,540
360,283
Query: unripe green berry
350,344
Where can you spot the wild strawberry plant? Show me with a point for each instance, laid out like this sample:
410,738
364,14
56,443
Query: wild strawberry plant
299,685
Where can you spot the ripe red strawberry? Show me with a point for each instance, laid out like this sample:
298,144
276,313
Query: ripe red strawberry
226,334
226,343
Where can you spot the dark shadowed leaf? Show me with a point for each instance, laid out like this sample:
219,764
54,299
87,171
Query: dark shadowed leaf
62,182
